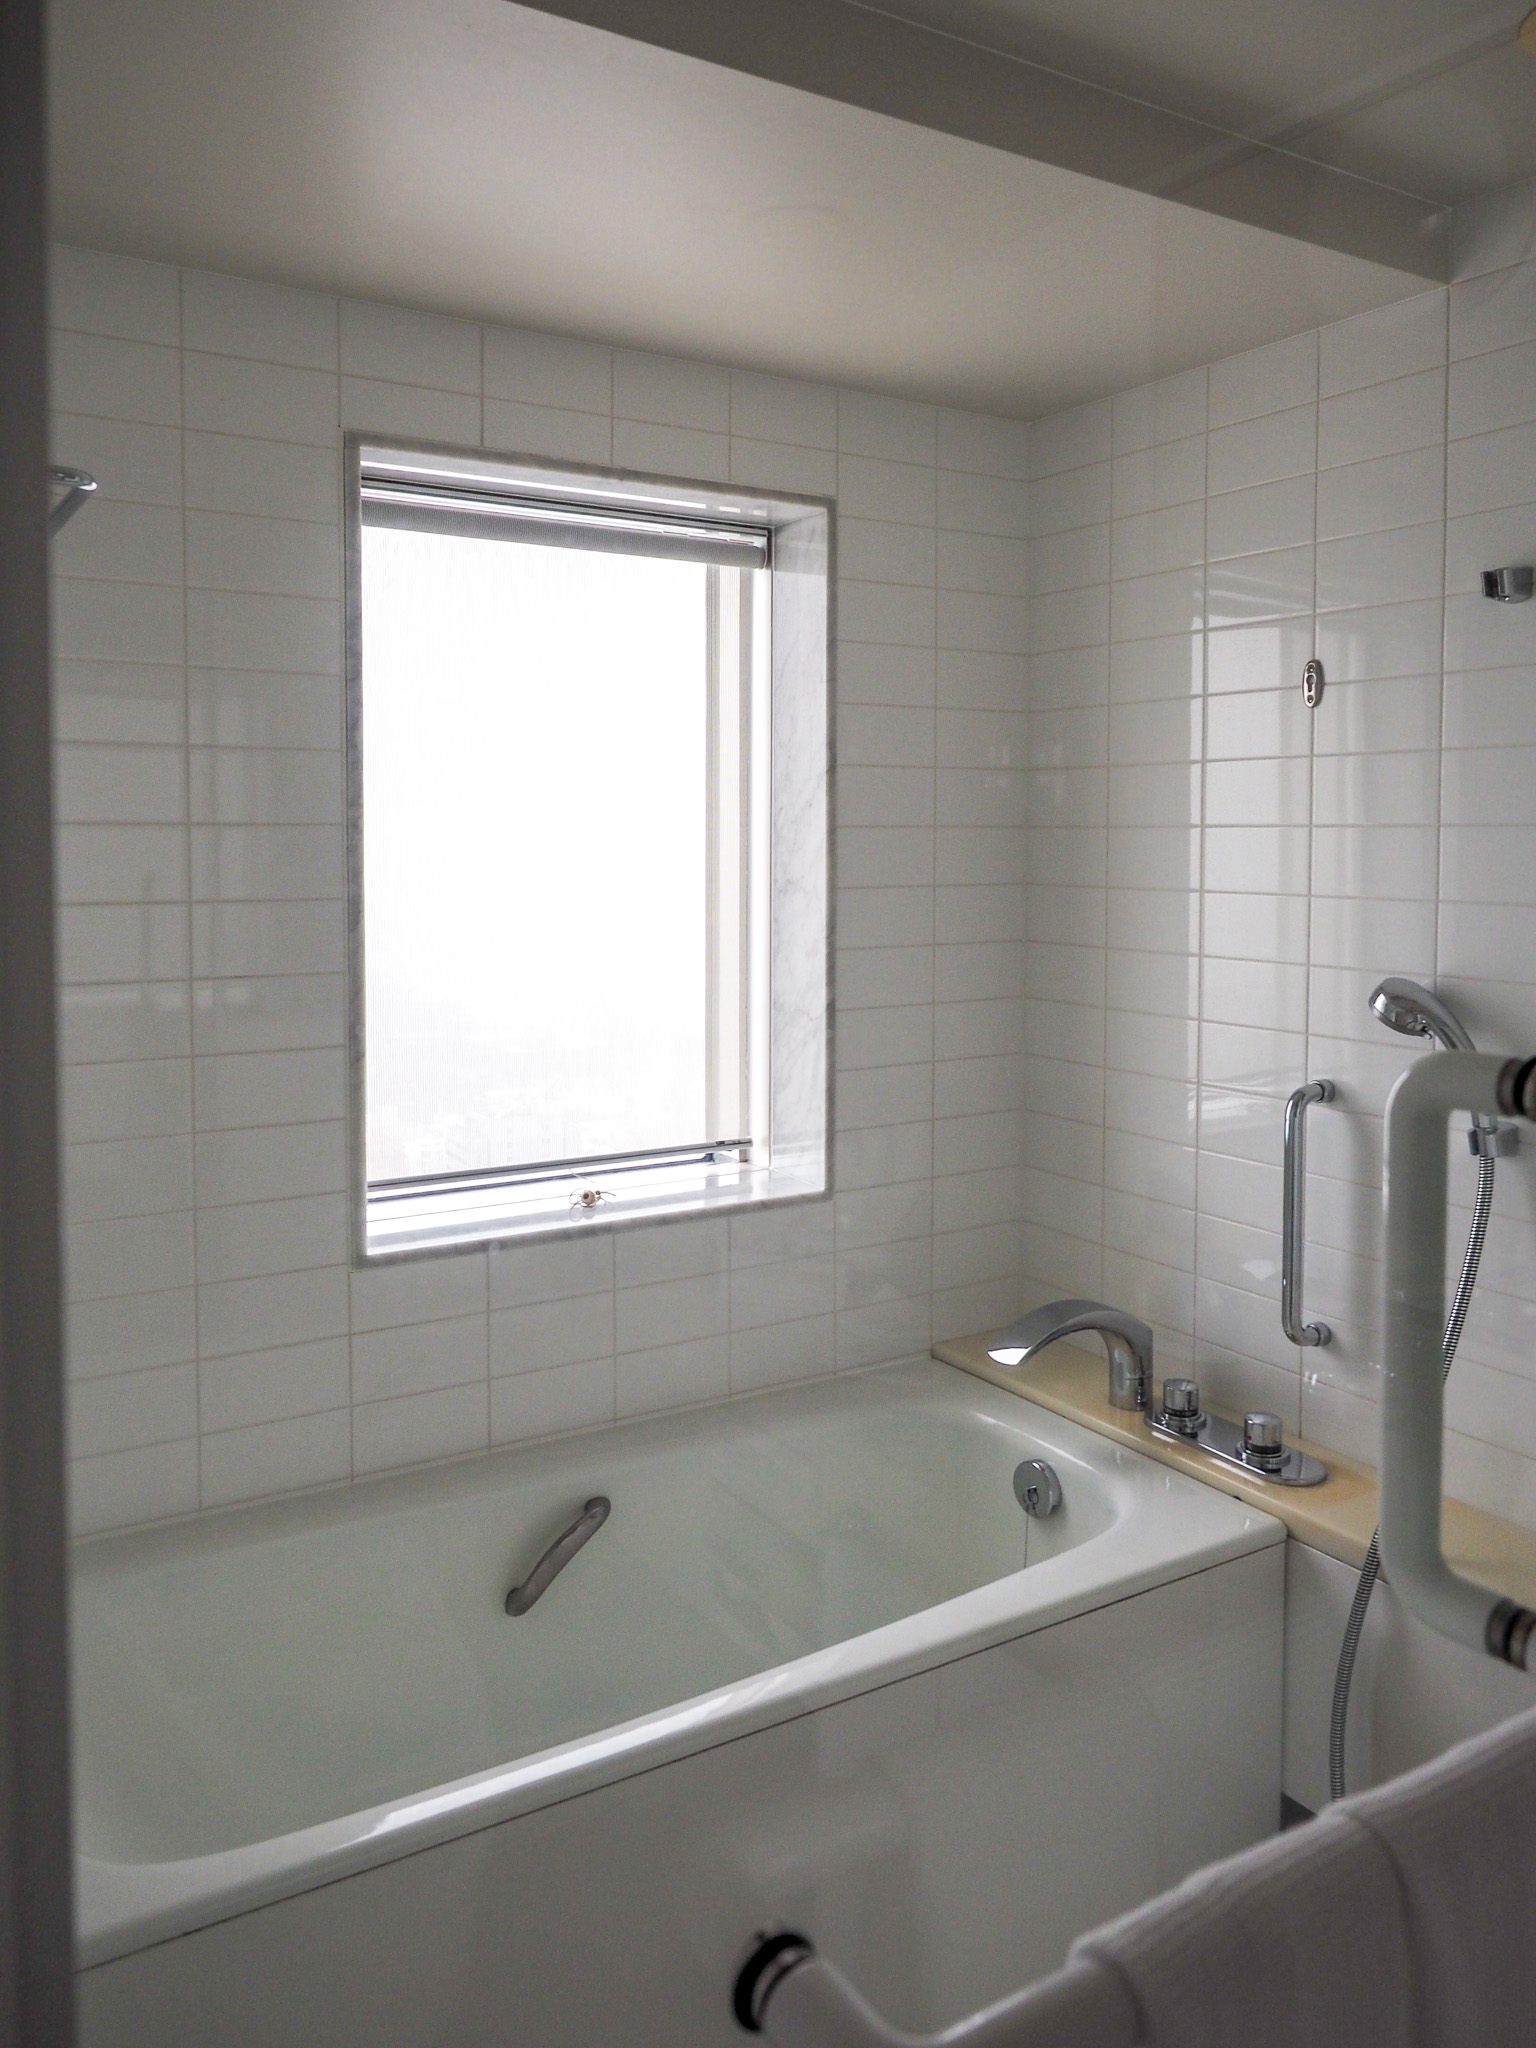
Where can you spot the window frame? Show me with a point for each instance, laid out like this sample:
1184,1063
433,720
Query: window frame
464,1211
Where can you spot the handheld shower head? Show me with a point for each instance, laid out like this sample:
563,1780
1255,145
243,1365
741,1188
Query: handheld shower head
1409,1007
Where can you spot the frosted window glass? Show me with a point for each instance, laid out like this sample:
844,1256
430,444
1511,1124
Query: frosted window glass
535,846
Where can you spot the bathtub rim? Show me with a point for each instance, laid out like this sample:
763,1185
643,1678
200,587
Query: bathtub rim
1184,1525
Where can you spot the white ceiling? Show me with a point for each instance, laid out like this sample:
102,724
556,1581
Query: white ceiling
1432,96
484,158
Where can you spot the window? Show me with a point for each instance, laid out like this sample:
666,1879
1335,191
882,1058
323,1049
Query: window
568,740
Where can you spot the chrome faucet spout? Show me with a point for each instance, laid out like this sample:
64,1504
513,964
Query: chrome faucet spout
1127,1339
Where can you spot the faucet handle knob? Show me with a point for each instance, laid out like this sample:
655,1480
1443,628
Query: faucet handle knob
1263,1439
1181,1400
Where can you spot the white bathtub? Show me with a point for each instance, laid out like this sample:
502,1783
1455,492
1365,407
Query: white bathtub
278,1698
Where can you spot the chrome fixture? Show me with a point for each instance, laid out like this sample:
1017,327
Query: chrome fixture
1293,1239
1509,586
1127,1339
1256,1445
1312,684
1180,1410
77,485
1410,1007
559,1554
1263,1444
1036,1487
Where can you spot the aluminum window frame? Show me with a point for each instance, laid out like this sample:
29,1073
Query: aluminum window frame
458,1211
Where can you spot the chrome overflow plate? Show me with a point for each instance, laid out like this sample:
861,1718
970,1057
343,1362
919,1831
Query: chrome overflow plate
1036,1487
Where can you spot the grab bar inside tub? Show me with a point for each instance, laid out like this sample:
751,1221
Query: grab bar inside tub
559,1554
1293,1220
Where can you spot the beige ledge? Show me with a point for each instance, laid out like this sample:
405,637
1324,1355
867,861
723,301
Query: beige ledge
1337,1516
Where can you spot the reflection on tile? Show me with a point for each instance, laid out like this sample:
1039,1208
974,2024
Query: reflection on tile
1108,888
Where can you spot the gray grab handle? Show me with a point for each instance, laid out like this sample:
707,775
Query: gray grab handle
559,1554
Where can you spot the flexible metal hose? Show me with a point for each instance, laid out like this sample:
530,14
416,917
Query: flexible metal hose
1338,1721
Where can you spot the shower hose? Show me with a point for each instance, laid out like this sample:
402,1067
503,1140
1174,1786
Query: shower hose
1338,1721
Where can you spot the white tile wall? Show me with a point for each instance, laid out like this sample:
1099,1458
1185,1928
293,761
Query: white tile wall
219,1347
1106,889
1217,877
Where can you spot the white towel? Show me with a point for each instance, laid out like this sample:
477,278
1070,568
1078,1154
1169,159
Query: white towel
1461,1832
1297,1943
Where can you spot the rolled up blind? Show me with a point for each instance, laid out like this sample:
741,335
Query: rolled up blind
556,523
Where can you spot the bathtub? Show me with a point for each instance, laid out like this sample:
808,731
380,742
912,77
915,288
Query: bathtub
817,1665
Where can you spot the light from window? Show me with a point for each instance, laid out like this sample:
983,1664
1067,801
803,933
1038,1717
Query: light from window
560,707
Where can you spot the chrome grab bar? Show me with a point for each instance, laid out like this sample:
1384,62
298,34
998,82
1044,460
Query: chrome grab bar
559,1554
1293,1204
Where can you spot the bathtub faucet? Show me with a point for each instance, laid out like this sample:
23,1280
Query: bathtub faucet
1127,1339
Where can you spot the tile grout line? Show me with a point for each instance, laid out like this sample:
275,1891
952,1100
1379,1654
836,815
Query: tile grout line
1201,891
1104,825
483,1256
353,1194
933,1071
1312,760
1445,574
190,936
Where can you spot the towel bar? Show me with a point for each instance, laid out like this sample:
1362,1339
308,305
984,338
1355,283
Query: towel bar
788,1994
1305,1937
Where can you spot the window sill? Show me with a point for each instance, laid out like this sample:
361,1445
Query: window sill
417,1225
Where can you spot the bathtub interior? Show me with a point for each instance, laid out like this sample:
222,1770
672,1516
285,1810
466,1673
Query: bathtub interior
279,1666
